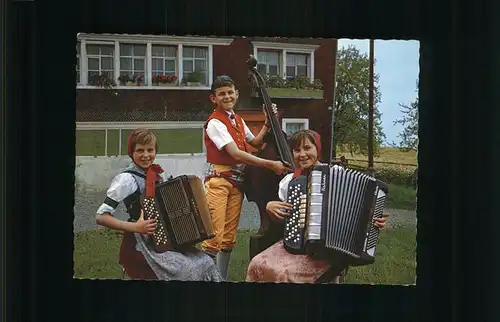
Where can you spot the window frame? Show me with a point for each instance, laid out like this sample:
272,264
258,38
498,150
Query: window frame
167,125
84,59
133,57
149,41
164,58
288,48
285,121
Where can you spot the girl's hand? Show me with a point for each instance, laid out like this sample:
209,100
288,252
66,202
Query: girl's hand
146,227
381,222
275,209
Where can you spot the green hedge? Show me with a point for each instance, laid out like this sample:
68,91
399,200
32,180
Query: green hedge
396,175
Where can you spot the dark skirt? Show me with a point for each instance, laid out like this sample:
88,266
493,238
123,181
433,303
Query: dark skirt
132,261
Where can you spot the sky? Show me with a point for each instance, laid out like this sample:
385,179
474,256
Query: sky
397,63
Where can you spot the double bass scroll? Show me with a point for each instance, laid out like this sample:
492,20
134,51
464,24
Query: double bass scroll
261,185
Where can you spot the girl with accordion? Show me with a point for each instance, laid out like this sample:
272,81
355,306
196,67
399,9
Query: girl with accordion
275,264
137,256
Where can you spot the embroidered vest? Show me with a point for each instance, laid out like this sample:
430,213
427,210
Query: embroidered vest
221,157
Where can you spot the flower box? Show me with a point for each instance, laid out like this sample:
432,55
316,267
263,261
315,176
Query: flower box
165,84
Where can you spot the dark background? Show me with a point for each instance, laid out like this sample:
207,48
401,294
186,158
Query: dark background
457,214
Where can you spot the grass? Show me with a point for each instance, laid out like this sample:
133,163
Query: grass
401,197
96,256
387,154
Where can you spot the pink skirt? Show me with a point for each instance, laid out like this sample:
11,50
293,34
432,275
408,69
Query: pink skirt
275,264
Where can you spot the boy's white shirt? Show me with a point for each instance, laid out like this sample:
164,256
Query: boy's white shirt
218,133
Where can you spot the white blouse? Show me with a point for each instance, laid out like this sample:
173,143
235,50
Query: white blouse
122,186
283,187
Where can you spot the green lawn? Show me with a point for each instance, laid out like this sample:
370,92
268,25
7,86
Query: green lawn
401,197
96,252
386,154
96,256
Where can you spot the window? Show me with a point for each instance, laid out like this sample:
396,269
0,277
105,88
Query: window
268,62
77,67
194,64
286,60
132,60
164,60
291,126
297,65
100,61
111,139
183,62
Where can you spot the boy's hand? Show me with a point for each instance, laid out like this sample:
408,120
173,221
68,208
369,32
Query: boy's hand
275,111
147,227
280,168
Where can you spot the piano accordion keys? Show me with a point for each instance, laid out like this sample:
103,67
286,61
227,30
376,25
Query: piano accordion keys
333,212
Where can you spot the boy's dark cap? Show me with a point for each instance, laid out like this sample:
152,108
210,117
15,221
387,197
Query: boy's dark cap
222,80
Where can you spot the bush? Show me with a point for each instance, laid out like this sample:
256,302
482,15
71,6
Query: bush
396,175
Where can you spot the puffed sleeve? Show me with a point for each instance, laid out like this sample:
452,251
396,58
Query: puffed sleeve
283,187
122,186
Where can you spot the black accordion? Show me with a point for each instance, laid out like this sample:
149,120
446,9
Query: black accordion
333,212
181,211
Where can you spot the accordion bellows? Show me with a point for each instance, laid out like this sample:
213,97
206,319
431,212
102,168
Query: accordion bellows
333,212
181,211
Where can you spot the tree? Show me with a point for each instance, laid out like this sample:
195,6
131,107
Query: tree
352,103
409,119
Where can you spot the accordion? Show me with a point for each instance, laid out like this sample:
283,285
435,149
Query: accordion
181,211
333,212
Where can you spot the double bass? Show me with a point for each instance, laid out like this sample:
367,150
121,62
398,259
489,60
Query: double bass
261,184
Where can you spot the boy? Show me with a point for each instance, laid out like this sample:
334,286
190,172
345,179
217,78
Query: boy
226,135
136,254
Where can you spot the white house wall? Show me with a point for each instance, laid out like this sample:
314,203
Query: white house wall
96,173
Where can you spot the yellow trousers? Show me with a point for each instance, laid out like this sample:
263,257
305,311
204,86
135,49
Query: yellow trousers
224,202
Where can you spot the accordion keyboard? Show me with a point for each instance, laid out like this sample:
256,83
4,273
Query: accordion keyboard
295,222
373,231
151,212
